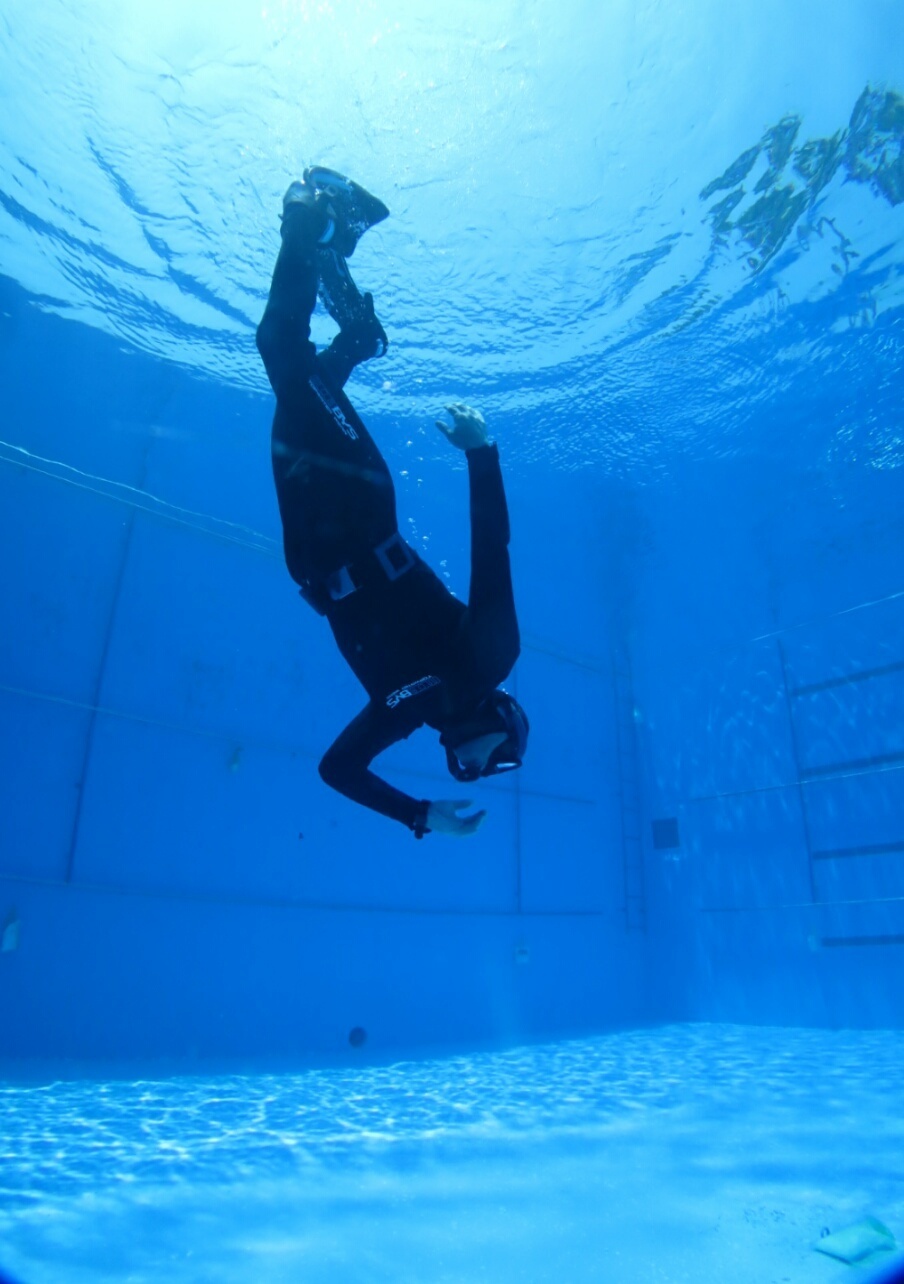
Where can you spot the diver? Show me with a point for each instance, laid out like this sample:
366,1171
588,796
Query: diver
422,656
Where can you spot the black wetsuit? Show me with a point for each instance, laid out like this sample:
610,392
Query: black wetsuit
420,653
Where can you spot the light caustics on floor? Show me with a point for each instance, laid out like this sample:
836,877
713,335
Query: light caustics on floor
689,1153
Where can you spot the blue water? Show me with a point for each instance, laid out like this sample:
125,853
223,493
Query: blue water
629,231
661,246
687,1153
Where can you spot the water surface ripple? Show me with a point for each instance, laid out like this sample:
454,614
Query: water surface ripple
631,238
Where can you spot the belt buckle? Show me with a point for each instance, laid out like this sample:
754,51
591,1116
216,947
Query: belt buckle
394,556
340,584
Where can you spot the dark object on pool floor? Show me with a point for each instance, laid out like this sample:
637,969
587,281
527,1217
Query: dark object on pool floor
356,1037
6,1279
863,1242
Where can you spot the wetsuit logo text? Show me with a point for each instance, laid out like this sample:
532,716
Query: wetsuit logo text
328,402
395,698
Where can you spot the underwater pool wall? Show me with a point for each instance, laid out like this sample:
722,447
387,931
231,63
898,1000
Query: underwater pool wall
769,670
175,881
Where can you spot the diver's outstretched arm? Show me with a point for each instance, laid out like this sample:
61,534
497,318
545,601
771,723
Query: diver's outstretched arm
491,625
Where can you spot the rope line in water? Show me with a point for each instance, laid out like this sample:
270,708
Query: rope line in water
822,619
793,784
123,493
243,742
85,706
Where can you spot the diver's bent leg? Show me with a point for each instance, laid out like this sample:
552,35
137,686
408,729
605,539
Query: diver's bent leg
361,336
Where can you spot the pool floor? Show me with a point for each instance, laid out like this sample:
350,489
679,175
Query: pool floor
687,1153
